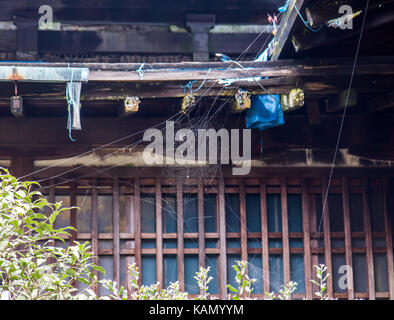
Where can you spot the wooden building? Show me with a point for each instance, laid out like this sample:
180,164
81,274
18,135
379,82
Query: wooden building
321,186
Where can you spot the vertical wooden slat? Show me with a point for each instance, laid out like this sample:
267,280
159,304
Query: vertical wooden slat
312,228
52,200
95,227
179,203
73,212
116,237
244,236
348,238
129,228
222,240
159,235
389,239
327,237
201,227
307,240
368,240
137,224
285,231
264,235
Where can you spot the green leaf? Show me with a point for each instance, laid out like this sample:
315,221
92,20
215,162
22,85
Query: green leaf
231,288
98,268
53,216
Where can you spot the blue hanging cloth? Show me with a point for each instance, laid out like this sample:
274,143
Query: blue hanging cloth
265,112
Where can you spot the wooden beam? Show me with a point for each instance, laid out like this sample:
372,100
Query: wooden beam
282,37
170,72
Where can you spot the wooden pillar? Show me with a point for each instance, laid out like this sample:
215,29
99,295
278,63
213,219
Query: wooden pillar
264,235
159,235
95,228
137,225
116,236
222,241
200,24
285,232
348,238
307,240
389,239
26,40
201,227
129,229
327,237
73,212
244,236
22,167
368,240
181,257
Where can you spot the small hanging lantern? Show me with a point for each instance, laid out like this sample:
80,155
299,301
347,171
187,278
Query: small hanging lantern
241,101
293,100
131,105
16,104
187,102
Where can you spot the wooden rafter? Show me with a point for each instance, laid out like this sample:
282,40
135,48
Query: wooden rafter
282,37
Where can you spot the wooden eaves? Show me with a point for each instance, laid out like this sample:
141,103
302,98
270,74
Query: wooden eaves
114,81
